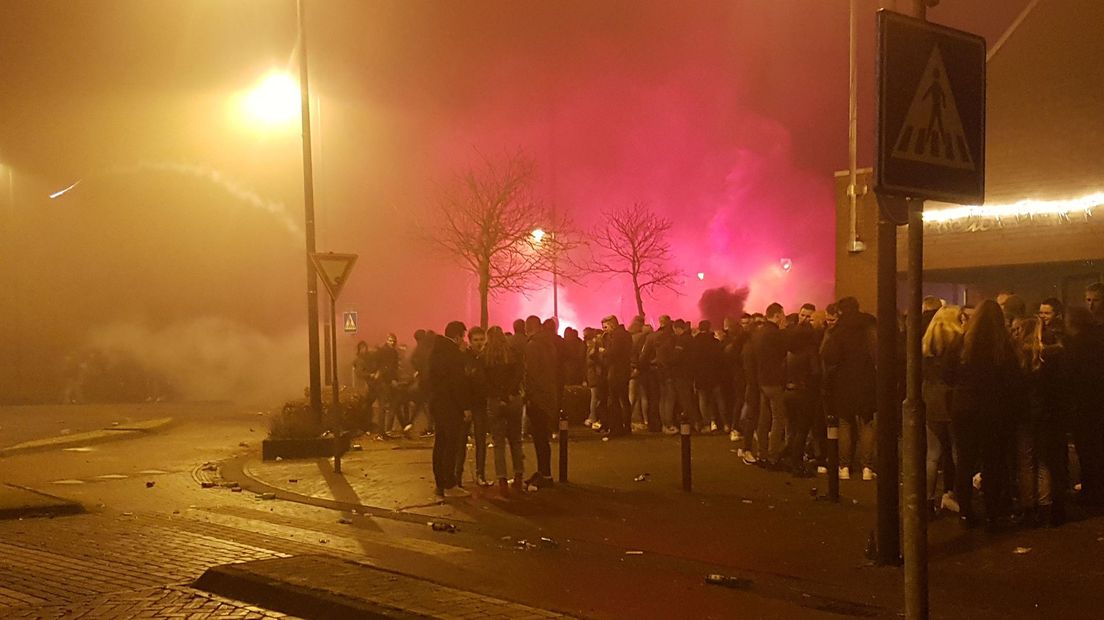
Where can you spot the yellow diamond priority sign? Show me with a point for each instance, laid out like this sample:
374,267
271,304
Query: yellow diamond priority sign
333,269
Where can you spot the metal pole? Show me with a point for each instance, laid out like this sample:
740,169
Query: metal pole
563,447
684,431
852,132
555,295
914,438
833,458
308,208
888,525
334,380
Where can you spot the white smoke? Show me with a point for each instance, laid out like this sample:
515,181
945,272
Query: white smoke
213,359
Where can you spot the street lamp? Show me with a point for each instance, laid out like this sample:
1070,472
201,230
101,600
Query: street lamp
278,100
538,236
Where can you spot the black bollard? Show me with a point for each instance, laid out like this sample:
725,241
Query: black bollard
833,458
684,430
563,448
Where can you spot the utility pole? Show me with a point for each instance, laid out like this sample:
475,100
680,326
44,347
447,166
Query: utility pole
308,208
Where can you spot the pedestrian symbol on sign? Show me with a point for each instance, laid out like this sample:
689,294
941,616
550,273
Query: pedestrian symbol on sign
351,322
933,132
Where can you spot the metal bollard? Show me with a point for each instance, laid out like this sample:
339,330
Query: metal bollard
684,430
563,448
833,458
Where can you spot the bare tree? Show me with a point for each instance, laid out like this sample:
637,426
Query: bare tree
632,241
486,218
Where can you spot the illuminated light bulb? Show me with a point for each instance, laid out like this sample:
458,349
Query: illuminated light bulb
275,101
1083,205
537,235
701,275
786,264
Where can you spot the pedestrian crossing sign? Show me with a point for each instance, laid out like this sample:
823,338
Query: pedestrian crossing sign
350,320
932,132
931,111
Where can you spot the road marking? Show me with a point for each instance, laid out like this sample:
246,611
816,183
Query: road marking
80,449
351,544
111,477
68,481
152,472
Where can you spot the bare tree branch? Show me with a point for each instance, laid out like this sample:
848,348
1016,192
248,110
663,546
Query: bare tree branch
485,218
633,242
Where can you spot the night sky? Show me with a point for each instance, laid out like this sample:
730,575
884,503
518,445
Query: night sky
182,242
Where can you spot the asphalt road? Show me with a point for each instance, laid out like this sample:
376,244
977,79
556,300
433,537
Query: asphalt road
802,558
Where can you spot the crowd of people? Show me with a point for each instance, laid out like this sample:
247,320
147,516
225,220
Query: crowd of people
1005,391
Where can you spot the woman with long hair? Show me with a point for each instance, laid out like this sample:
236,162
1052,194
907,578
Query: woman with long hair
983,412
503,373
942,337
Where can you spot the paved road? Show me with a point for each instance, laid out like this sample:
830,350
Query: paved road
804,559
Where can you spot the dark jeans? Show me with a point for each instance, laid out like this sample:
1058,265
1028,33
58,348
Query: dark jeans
617,405
540,425
711,405
477,429
751,420
447,443
801,405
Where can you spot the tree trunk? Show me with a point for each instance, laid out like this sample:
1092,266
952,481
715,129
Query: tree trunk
639,299
484,291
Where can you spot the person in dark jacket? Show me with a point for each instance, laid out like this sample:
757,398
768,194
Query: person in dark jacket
385,380
617,359
985,378
942,336
595,378
449,393
573,361
752,398
732,346
541,366
478,426
848,353
659,349
502,374
708,367
802,393
419,388
770,348
1084,346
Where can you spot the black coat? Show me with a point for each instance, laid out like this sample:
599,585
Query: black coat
849,354
447,378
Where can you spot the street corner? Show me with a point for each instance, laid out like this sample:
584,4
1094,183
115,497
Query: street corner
22,503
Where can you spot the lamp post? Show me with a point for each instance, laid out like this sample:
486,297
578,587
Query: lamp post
538,236
278,100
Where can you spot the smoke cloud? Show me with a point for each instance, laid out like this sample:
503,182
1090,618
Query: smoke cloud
718,304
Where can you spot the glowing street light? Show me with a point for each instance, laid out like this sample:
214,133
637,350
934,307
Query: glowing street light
537,236
275,101
701,275
786,264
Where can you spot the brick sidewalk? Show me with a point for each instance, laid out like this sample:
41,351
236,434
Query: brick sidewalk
163,602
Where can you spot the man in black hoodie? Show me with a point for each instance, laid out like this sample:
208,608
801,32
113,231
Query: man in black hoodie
617,358
449,394
769,344
849,353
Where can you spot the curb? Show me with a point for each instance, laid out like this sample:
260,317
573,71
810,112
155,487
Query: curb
30,503
90,437
236,582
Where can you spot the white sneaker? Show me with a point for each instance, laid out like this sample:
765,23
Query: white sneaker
712,427
588,422
749,459
734,436
868,474
456,492
844,473
596,426
977,481
408,428
670,430
822,470
739,453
